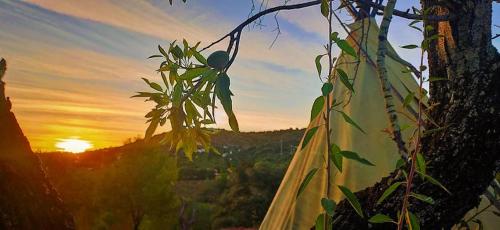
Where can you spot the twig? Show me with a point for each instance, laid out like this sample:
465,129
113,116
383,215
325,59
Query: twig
402,13
240,27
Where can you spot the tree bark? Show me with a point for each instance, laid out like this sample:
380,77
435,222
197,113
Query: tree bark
463,155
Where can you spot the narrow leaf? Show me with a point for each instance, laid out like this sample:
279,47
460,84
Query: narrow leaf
325,8
329,206
351,121
423,198
336,157
345,79
434,181
327,88
388,192
317,61
346,47
199,57
309,135
380,218
352,200
409,46
320,222
354,156
408,99
306,181
317,107
156,86
412,221
155,56
421,166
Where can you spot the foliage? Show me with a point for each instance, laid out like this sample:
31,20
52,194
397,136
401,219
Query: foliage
188,96
113,188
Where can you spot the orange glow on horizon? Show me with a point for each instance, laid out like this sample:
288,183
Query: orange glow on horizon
73,145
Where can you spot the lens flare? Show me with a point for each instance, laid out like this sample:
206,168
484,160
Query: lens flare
73,145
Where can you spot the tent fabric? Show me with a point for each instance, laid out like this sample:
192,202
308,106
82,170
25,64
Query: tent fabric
367,108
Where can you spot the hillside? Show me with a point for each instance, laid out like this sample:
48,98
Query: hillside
143,185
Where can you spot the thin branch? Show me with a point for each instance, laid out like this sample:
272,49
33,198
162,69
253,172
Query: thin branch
317,2
404,14
386,85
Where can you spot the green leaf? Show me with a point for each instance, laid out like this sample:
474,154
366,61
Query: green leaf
388,192
327,88
414,22
233,122
421,166
191,110
306,181
409,46
199,57
413,221
400,163
325,8
177,52
334,36
354,156
164,78
317,60
336,157
380,218
408,99
224,94
423,198
329,206
320,222
309,135
317,107
351,121
434,181
218,59
155,56
152,128
345,79
162,51
177,94
346,47
156,86
414,27
352,200
193,73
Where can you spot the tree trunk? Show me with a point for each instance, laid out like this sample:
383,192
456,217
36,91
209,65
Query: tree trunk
464,155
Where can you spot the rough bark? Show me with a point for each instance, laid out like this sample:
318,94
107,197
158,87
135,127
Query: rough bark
27,199
463,155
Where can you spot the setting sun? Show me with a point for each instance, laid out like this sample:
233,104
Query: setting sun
73,145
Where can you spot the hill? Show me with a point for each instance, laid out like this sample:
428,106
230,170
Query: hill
144,186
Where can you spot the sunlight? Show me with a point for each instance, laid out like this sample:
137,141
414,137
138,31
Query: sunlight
73,145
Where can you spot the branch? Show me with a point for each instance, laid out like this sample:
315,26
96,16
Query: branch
240,27
386,85
405,14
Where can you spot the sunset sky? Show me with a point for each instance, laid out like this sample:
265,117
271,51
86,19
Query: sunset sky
73,65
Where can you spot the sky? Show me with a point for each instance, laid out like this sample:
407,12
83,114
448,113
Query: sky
73,65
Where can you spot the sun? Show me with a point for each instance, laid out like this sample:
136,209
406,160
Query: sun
73,145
